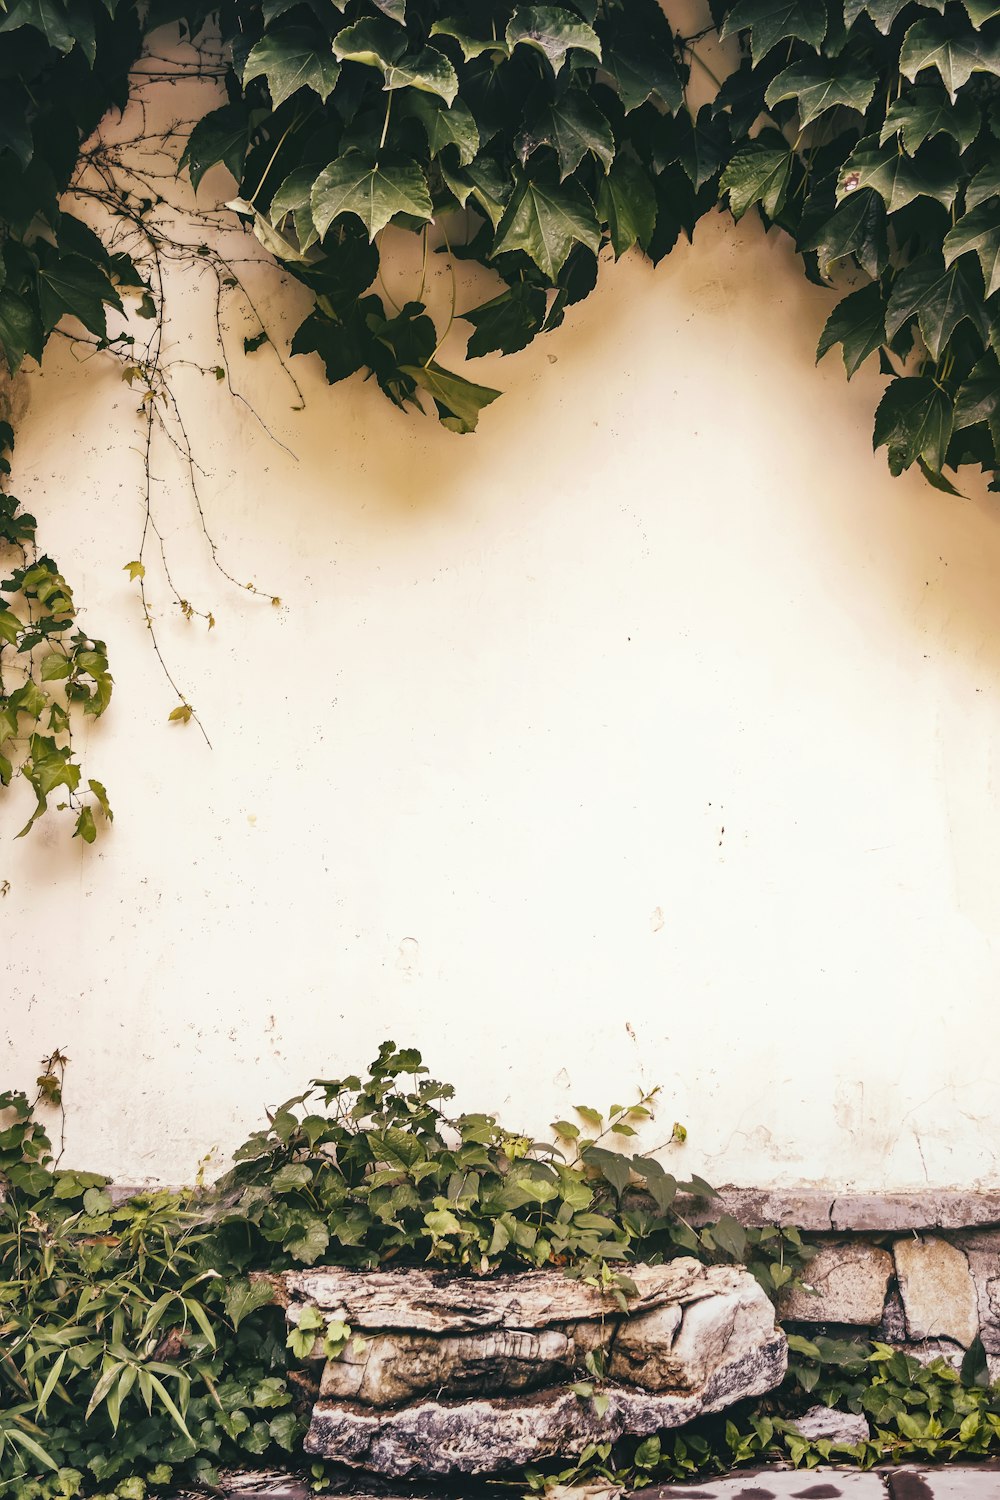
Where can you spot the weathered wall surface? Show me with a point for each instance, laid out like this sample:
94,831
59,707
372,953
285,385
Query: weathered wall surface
647,736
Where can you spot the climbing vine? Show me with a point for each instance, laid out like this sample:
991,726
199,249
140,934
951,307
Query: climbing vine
530,140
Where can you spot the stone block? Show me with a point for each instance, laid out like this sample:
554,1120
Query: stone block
849,1280
824,1424
982,1250
938,1292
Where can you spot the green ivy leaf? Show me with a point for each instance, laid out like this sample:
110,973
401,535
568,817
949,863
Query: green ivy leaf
20,329
772,21
374,190
759,173
503,325
55,666
701,145
68,284
220,137
898,179
978,231
86,828
857,323
978,398
939,297
472,46
45,16
626,201
545,218
858,228
551,31
981,11
242,1297
309,1242
924,112
883,12
291,59
823,83
394,9
458,400
454,126
101,797
949,46
372,42
914,420
985,184
428,70
642,70
574,127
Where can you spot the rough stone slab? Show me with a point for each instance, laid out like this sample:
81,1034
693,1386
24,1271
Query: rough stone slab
439,1302
983,1253
850,1280
492,1435
390,1368
938,1292
674,1347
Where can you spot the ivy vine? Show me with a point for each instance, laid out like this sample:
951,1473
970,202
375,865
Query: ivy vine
528,139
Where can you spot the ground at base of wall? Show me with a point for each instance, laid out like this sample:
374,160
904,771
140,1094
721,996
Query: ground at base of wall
907,1482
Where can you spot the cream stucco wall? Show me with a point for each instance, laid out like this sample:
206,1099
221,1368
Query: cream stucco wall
647,736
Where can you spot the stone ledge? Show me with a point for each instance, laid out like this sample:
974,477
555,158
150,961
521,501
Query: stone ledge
822,1211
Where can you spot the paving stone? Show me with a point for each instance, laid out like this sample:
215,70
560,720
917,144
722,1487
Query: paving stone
913,1483
850,1280
938,1292
776,1484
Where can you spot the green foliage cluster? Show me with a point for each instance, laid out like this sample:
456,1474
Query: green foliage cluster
533,138
138,1353
533,135
881,153
47,664
62,67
